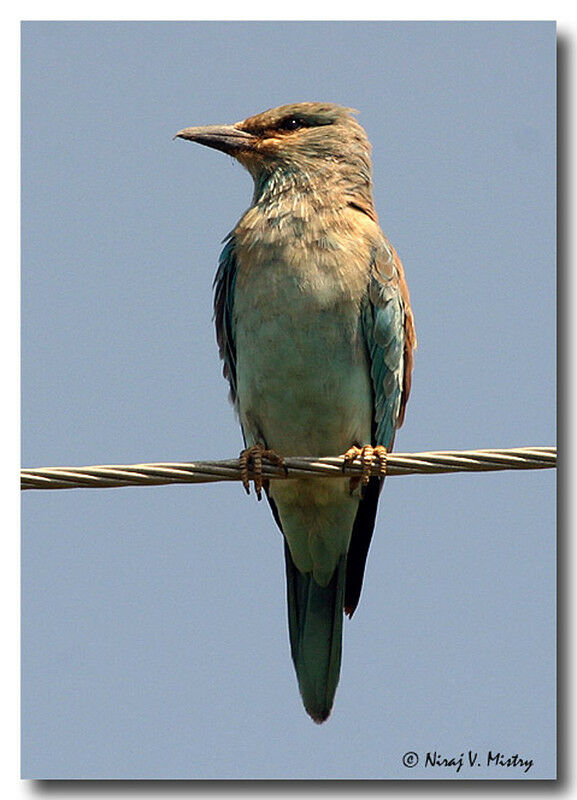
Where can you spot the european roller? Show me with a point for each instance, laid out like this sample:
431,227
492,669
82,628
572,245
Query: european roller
316,332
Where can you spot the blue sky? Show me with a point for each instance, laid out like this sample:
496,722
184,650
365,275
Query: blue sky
154,638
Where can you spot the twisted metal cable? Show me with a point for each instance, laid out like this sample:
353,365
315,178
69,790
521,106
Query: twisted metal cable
443,461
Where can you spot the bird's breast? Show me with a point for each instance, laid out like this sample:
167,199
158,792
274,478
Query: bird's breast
302,369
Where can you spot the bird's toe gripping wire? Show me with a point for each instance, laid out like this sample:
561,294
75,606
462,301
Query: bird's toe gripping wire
370,457
250,461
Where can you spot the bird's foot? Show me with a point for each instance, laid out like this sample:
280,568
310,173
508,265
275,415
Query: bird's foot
250,460
370,456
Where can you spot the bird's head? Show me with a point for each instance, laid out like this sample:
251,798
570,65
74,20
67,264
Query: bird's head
314,142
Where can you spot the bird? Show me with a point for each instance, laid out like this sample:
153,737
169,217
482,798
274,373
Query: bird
317,337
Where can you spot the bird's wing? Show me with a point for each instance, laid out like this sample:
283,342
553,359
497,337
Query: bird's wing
224,284
389,336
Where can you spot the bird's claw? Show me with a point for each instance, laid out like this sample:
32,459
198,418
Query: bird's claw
250,460
370,456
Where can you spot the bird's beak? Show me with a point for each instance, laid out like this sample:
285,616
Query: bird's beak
227,138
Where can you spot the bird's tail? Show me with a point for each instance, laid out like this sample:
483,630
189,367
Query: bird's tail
315,616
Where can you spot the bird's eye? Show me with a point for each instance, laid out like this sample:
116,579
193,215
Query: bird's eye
291,124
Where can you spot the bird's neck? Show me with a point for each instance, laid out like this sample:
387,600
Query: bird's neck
288,189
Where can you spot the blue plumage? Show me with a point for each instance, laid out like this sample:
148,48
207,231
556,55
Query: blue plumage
316,333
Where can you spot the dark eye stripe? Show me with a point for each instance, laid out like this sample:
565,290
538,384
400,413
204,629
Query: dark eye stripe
292,124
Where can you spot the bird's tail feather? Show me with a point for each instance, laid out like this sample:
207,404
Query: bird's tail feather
315,616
